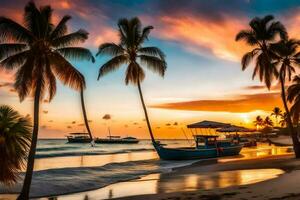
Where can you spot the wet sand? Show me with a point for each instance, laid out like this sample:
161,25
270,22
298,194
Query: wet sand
280,186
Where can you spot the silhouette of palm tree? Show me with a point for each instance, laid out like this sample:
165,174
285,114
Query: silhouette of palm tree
39,54
293,96
283,120
277,112
15,140
262,33
268,122
286,58
130,52
259,122
268,56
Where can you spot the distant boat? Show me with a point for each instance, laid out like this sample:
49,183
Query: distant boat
206,146
79,138
116,140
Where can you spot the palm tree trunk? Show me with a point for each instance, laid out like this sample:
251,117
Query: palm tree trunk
146,114
84,115
30,163
294,135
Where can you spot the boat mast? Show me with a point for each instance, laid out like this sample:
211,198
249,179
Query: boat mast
109,133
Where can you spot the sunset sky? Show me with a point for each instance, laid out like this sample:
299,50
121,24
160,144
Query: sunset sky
204,79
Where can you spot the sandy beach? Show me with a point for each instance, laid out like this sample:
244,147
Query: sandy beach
281,186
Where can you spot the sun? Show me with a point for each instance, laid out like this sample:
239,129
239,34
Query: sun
245,118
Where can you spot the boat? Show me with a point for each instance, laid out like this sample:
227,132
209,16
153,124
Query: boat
78,138
206,146
116,140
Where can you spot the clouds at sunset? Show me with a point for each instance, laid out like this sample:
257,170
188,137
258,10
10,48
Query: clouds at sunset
240,104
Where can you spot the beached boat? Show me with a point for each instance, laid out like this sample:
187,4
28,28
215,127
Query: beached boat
207,146
79,138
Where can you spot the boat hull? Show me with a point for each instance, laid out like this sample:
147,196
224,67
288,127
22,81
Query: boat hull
81,140
193,153
116,141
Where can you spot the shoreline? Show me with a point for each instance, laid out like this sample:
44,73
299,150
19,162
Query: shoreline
203,166
287,163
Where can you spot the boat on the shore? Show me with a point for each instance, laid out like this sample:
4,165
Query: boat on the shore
78,138
206,145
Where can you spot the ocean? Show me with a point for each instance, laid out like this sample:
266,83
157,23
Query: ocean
62,168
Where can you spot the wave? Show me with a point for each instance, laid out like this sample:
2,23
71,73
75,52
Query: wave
86,153
54,182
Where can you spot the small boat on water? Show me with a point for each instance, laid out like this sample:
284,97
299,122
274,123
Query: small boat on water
116,140
78,138
206,146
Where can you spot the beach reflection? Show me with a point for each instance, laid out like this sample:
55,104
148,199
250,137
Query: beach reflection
167,183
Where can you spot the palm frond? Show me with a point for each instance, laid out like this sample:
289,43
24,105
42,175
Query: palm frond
15,140
61,28
152,51
24,78
154,64
145,34
50,81
70,39
8,49
65,72
110,49
134,74
247,36
112,65
277,27
12,30
76,53
15,60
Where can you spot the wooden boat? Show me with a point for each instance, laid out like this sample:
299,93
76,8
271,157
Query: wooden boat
207,146
78,138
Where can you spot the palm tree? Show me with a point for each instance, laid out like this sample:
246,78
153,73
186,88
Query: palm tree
283,120
286,58
293,96
15,137
130,52
259,122
267,56
262,33
268,122
86,122
38,53
277,112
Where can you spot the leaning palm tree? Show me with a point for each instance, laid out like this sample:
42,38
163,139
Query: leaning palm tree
15,137
268,122
276,112
286,58
259,122
293,96
262,33
86,121
131,52
38,53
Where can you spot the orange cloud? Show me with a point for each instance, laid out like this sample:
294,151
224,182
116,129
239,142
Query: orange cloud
244,103
201,36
